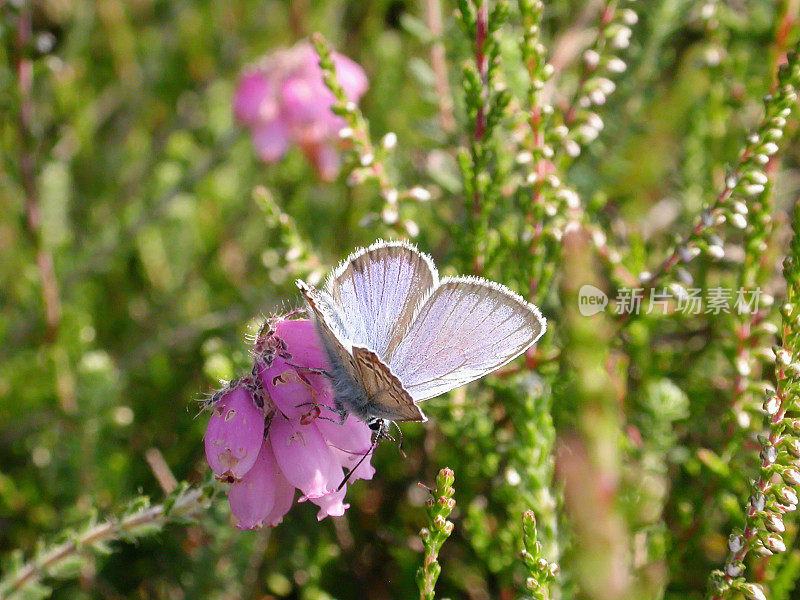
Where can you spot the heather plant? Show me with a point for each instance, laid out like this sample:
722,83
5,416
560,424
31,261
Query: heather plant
169,170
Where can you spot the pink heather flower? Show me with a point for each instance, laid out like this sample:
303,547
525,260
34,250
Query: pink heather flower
234,434
276,431
284,99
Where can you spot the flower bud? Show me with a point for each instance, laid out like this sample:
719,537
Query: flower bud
757,177
420,193
774,543
597,97
389,141
783,356
774,523
629,17
739,207
773,134
769,454
760,550
738,221
735,542
391,195
786,495
616,65
687,253
605,85
752,591
591,58
769,148
753,189
716,252
572,148
734,569
772,405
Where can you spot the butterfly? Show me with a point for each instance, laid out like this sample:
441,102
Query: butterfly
396,335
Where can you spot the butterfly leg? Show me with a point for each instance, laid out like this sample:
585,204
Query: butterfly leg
314,413
310,369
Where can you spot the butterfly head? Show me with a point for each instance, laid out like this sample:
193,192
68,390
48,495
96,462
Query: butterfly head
380,428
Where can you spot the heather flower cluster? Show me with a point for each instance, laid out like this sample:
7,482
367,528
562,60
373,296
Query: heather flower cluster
283,99
274,430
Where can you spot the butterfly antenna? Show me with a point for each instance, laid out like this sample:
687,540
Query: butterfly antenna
358,464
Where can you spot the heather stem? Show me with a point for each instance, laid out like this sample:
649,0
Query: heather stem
28,173
439,507
433,16
184,502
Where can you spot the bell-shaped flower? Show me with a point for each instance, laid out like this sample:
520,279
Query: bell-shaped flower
235,433
306,443
284,99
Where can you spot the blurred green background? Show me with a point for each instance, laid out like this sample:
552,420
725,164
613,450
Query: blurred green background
169,239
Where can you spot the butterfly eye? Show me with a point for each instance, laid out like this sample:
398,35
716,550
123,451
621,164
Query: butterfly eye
375,424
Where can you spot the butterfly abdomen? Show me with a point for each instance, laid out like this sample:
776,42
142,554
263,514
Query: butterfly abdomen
349,395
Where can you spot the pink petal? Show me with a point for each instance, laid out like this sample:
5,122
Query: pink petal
292,395
284,498
252,498
234,435
254,98
300,394
305,100
324,156
304,457
349,443
351,76
302,343
271,139
331,505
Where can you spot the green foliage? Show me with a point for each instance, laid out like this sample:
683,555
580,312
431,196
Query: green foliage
439,506
631,146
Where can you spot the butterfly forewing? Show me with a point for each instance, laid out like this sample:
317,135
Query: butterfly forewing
467,328
389,398
378,290
329,327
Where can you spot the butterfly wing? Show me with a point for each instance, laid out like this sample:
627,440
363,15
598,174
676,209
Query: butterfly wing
378,289
330,329
465,329
362,383
388,398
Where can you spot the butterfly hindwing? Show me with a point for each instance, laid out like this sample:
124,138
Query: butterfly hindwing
388,398
465,329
